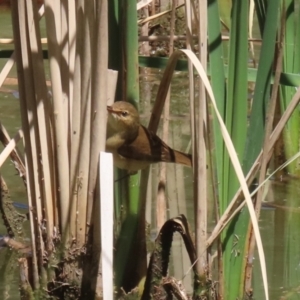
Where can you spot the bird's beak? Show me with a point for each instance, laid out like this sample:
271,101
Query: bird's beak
113,111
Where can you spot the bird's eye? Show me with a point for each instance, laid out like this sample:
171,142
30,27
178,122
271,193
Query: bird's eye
124,113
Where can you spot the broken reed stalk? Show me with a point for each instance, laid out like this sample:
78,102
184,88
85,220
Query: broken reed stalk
159,261
11,150
6,69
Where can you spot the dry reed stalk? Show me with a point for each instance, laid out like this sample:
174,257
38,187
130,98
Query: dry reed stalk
6,69
98,124
33,132
75,108
16,157
176,192
153,17
53,23
11,41
19,25
200,176
145,175
189,45
10,145
10,62
64,64
84,148
98,118
193,111
72,30
43,115
145,49
231,209
161,197
153,8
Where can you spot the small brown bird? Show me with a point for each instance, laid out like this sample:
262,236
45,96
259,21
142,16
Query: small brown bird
133,146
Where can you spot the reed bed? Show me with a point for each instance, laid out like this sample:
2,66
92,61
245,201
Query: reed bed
64,133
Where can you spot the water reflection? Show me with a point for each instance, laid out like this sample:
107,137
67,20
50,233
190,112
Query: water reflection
281,240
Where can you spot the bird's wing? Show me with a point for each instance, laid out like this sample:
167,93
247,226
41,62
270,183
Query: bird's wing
147,147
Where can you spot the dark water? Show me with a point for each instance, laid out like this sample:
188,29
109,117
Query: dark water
279,225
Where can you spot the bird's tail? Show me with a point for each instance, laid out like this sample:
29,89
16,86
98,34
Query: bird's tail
183,158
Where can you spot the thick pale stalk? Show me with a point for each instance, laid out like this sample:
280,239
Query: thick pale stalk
43,116
84,147
19,24
99,97
72,31
60,129
64,65
200,176
98,123
76,121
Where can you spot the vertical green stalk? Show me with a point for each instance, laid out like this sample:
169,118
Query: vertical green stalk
218,82
127,264
262,87
291,64
237,89
236,123
256,131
